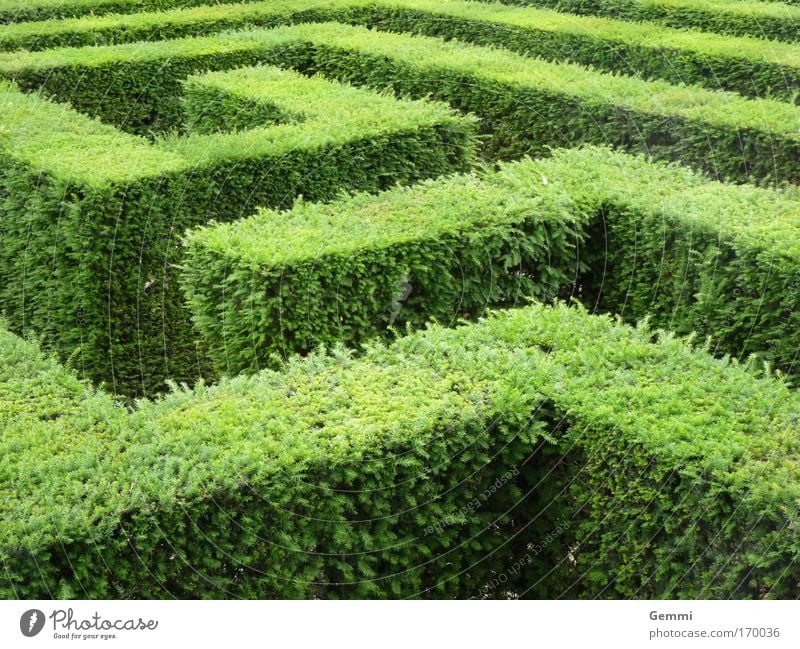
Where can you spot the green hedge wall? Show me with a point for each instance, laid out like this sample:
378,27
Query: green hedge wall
748,66
775,20
285,282
529,108
422,469
171,23
642,239
526,108
12,11
92,217
722,261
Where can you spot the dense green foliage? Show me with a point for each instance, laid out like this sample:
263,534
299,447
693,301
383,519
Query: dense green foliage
719,260
326,479
200,20
776,20
643,239
526,109
529,108
745,65
748,66
286,282
93,217
12,11
538,452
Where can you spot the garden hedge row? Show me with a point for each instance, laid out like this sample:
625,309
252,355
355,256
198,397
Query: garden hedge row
530,105
92,217
718,260
748,66
171,23
777,20
12,11
636,238
527,105
286,282
422,469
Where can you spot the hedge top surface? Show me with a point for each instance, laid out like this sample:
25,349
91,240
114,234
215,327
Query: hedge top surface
493,64
498,65
649,35
53,138
762,218
427,209
705,415
767,219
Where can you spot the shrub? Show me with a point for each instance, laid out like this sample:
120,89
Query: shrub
527,108
12,11
187,20
749,66
92,217
760,19
420,469
286,282
719,260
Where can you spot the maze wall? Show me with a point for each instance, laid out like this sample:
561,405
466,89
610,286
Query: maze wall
264,200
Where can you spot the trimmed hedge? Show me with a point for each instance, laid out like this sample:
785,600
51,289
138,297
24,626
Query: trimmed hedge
200,20
776,20
748,66
660,241
285,282
693,255
421,469
718,260
12,11
528,105
92,217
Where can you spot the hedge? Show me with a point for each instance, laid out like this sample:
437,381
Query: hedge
776,20
266,504
12,11
719,260
693,255
54,430
528,105
421,469
172,23
630,236
280,283
135,86
748,66
92,217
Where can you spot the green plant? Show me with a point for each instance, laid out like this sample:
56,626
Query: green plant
774,20
342,477
93,217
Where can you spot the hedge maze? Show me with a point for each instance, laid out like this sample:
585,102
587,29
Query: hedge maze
364,298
